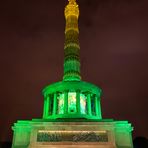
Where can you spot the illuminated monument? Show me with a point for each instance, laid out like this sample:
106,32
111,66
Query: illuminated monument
72,112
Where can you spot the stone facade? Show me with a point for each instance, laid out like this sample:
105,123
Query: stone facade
42,134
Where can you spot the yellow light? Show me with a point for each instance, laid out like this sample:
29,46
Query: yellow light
72,9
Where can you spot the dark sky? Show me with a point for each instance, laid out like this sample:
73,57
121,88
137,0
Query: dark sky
114,56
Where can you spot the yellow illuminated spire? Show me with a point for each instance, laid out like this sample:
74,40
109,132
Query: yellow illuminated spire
71,46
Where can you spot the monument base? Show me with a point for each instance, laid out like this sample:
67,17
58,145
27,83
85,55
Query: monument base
79,134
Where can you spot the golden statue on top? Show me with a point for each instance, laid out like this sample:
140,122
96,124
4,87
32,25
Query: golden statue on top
72,1
72,9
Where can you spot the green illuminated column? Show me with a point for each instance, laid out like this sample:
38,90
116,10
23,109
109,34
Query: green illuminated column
89,104
78,101
55,104
76,96
45,101
46,106
71,47
65,102
97,105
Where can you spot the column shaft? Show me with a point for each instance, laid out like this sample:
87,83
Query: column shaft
89,104
55,104
97,106
66,102
47,105
45,102
78,102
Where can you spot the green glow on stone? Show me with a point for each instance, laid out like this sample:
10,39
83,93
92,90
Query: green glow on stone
72,99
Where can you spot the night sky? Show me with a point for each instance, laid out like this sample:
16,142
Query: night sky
114,56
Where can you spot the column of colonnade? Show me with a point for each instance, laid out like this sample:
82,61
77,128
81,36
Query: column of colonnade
78,101
44,112
55,104
66,102
89,104
46,105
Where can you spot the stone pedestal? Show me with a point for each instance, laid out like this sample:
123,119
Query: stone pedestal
44,134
